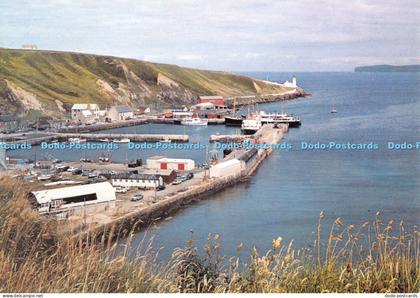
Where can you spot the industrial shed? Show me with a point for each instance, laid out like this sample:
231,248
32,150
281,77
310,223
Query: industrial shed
163,163
74,199
144,181
231,167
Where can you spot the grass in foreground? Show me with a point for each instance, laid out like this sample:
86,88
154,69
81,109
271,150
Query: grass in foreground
374,257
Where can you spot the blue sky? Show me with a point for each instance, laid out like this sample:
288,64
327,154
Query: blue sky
231,35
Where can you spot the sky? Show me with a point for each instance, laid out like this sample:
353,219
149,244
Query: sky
230,35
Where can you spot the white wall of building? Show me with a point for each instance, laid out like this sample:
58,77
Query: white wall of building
227,168
54,197
171,163
134,182
116,116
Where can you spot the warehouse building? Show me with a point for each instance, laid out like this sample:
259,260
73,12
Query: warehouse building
71,200
120,113
143,181
163,163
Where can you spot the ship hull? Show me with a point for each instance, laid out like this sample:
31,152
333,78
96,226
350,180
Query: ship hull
248,131
233,121
291,123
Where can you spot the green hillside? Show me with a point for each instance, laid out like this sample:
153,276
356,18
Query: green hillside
51,82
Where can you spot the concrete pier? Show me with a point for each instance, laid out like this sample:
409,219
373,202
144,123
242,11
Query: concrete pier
142,216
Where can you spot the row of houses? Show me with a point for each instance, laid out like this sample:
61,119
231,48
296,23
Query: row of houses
88,112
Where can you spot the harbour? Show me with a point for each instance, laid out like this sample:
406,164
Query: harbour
274,180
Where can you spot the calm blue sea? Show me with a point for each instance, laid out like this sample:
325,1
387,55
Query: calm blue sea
288,191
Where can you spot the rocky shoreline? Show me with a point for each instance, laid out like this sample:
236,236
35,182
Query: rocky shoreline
253,99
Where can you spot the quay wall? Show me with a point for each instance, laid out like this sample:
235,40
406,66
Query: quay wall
103,126
140,219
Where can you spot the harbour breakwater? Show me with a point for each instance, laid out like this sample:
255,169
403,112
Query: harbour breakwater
142,218
265,98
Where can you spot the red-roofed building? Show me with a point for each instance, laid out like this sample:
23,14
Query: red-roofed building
216,100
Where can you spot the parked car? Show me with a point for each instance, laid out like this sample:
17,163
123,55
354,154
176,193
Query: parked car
183,178
190,176
92,175
86,160
120,189
85,173
77,172
71,169
61,168
101,178
136,197
177,181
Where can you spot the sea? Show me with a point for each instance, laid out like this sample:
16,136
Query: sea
364,168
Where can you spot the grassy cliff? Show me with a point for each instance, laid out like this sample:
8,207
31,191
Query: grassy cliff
51,82
373,257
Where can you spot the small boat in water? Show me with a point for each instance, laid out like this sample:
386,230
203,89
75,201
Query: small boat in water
106,140
123,140
194,121
333,109
77,140
165,141
104,159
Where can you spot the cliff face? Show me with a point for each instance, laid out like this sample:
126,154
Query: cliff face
51,82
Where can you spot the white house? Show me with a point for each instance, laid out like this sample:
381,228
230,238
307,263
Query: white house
120,113
74,199
163,163
144,181
85,112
